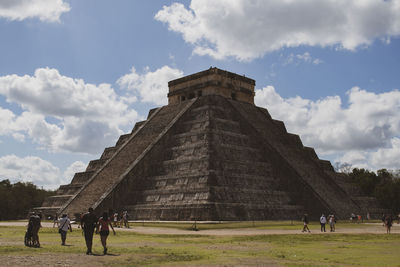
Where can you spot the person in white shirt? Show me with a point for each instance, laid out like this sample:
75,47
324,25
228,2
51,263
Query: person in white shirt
64,225
322,220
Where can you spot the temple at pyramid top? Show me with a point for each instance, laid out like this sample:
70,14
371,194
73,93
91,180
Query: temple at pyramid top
211,82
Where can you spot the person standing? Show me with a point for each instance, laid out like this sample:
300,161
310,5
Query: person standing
104,223
305,221
88,224
322,220
35,224
125,217
332,222
64,225
388,223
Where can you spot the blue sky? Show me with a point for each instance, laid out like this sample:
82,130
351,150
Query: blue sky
74,75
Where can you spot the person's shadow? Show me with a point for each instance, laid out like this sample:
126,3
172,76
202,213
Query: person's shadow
108,254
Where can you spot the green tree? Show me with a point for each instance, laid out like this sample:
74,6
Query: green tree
17,199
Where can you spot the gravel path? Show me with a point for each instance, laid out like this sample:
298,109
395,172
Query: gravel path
369,228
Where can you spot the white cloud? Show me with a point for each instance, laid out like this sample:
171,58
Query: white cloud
84,117
45,10
30,169
301,58
36,170
152,87
249,29
365,133
77,166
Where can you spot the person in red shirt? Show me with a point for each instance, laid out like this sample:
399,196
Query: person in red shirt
103,224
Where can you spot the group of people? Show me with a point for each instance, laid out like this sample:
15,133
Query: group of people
358,218
89,223
331,219
32,232
121,219
323,221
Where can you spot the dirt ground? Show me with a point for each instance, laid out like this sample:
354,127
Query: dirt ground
373,228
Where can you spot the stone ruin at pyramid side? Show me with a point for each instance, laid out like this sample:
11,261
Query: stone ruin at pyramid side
210,155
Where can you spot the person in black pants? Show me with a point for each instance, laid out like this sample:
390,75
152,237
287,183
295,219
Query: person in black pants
88,224
322,220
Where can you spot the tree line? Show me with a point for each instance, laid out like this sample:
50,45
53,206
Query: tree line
17,199
384,185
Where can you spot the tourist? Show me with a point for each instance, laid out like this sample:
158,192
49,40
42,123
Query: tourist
368,216
332,222
103,224
305,221
125,218
88,224
35,224
115,219
322,220
388,223
65,224
55,220
353,218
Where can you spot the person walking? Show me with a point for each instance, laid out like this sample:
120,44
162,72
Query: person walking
305,221
322,220
64,225
103,224
88,224
55,221
332,222
388,223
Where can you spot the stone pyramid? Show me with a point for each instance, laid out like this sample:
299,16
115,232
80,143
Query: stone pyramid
210,154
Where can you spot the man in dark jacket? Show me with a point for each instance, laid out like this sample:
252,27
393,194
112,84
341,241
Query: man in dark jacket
88,224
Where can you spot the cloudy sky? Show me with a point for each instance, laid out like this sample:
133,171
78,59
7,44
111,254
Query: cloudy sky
74,75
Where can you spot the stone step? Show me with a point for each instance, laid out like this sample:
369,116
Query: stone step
225,125
248,195
184,181
56,201
175,194
82,177
137,126
242,167
176,198
165,177
94,165
108,153
197,149
246,180
122,139
238,152
185,166
69,189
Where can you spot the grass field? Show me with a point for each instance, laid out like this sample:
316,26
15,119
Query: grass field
134,249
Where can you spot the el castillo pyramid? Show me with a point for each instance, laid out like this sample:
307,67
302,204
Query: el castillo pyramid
211,155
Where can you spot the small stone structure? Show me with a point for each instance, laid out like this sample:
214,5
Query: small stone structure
210,154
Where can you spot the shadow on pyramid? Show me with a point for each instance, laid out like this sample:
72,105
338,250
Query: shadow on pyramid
210,155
